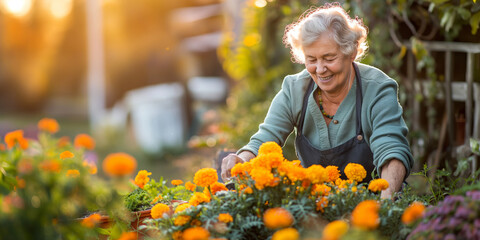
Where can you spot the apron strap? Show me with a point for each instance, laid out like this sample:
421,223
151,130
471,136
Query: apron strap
304,107
359,100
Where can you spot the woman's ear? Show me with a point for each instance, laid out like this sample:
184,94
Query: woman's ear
354,55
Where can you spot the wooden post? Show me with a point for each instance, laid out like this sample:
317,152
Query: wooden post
95,65
449,104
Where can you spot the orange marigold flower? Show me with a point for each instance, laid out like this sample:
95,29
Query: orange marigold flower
84,141
275,218
333,173
196,233
321,190
317,174
334,230
215,187
20,182
377,185
296,173
50,166
286,234
415,211
182,207
355,172
91,220
48,125
190,186
91,167
119,164
181,220
66,154
322,203
177,235
269,147
2,147
264,178
225,217
248,190
142,178
128,236
73,173
268,160
15,137
365,215
177,182
159,209
205,177
241,170
63,141
198,198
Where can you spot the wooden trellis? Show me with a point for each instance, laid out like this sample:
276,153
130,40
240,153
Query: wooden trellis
465,90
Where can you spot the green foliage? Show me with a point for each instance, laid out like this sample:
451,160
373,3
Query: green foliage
138,200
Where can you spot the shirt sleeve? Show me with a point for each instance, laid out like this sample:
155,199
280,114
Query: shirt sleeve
388,139
279,121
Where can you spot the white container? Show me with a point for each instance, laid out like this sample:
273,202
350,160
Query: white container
158,116
208,89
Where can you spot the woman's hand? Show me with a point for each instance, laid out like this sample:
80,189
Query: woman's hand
231,160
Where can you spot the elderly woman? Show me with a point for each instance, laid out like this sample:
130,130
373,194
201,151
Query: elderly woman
343,111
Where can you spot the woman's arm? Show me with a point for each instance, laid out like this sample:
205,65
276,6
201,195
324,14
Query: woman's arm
394,172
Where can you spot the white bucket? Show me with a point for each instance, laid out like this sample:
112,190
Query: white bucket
158,116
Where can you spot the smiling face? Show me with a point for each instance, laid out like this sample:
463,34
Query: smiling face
327,65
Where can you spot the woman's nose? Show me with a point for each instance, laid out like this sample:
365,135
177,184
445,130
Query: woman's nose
320,68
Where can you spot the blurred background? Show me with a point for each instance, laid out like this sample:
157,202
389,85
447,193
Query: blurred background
175,83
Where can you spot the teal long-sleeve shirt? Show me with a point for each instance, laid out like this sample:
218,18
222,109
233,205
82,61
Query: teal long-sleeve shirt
382,122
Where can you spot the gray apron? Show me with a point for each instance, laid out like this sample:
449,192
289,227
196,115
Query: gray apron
355,150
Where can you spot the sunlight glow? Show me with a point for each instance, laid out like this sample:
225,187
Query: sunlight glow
59,8
18,8
260,3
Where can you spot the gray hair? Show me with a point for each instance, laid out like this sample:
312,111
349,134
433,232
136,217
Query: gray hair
350,34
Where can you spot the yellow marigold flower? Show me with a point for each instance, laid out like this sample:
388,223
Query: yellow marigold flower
66,154
275,218
91,220
15,137
205,177
334,230
119,164
181,220
128,236
321,204
159,209
377,185
91,167
241,170
48,125
225,217
190,186
177,182
415,211
286,234
354,189
196,233
182,207
50,166
365,215
142,178
263,178
321,190
198,198
333,173
316,174
269,147
73,173
84,141
355,172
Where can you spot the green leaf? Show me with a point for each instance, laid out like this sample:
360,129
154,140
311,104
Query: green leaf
474,22
464,13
